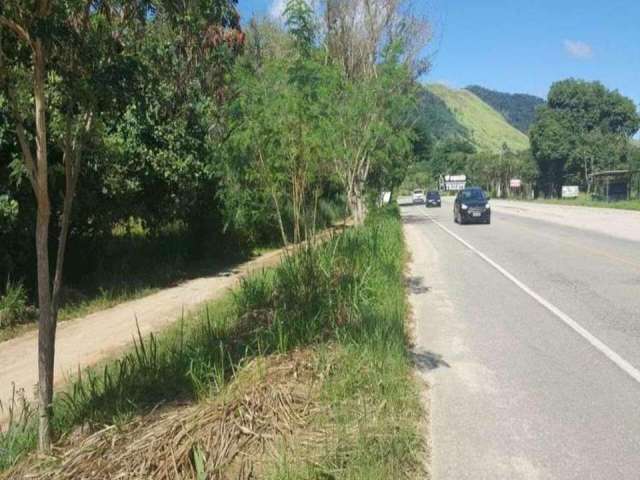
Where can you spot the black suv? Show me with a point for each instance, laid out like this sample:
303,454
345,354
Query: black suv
433,199
472,206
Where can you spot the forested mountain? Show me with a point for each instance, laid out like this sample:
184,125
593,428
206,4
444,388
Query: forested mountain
517,108
485,128
436,117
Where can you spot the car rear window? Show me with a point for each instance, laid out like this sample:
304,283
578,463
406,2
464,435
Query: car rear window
473,195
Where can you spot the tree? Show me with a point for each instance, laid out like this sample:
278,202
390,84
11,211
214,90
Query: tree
358,32
72,64
52,48
279,121
372,137
583,127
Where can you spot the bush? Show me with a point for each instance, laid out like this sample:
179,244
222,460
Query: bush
14,307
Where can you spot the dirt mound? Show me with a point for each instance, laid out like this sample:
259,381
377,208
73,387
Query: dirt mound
269,403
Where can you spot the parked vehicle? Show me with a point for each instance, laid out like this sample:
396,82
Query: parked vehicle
472,206
433,199
418,196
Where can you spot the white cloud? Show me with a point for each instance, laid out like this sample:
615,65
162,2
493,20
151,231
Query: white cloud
578,49
277,9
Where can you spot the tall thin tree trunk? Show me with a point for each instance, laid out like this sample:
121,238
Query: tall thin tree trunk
47,327
356,204
274,197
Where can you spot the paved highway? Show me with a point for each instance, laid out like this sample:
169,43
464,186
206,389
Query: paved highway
529,332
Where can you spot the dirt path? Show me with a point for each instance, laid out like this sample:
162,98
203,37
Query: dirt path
87,340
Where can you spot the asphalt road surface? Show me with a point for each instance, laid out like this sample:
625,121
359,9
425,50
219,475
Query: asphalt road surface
528,330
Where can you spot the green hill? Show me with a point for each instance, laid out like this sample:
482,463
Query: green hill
487,129
437,119
519,109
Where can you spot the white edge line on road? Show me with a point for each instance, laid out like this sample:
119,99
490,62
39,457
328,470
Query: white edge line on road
598,344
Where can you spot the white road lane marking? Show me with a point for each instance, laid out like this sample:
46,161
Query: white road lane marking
579,329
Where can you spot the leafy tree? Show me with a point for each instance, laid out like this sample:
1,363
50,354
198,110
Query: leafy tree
276,149
583,127
61,58
74,65
493,171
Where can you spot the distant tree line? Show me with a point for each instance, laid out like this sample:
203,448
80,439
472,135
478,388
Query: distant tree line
583,128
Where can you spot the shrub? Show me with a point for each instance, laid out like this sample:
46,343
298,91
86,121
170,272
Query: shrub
14,308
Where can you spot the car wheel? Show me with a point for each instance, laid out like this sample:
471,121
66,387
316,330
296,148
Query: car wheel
488,222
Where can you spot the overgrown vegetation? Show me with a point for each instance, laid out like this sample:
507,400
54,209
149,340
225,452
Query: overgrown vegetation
341,302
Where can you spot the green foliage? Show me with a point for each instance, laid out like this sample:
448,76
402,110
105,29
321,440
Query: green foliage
14,308
304,133
9,209
494,171
517,108
156,80
583,128
300,22
435,119
487,129
237,152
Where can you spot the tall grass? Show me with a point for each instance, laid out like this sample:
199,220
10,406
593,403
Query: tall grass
347,291
374,402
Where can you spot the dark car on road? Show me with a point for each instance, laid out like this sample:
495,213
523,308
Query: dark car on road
472,206
433,199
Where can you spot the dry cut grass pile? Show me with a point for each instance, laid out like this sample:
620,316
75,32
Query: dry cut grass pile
269,404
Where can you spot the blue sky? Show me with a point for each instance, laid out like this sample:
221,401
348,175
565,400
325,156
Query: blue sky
525,45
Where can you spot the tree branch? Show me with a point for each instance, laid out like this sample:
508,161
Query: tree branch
21,33
72,158
27,155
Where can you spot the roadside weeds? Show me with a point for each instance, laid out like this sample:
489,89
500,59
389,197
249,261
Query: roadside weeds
314,352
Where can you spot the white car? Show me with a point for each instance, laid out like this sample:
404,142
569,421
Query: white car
418,196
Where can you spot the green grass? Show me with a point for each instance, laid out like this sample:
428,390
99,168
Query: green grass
585,200
374,401
487,128
344,298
